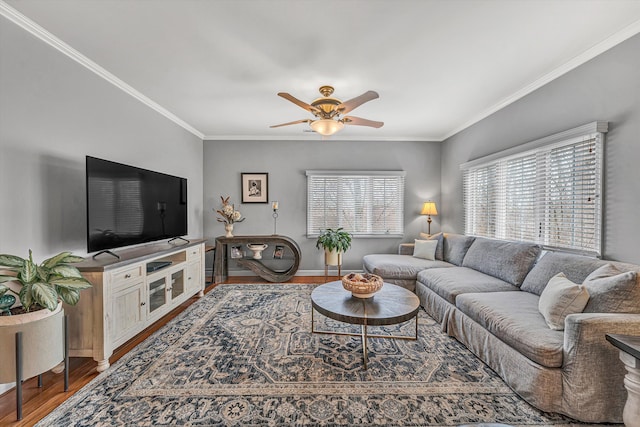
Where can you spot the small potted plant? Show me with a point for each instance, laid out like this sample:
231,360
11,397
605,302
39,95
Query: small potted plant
41,290
42,286
334,242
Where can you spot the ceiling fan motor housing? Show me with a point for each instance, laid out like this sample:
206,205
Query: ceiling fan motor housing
327,107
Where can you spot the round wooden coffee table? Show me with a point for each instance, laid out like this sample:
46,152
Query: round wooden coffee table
390,305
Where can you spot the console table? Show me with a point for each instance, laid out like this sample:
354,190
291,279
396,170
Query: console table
255,265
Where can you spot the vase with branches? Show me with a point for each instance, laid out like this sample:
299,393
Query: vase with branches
228,215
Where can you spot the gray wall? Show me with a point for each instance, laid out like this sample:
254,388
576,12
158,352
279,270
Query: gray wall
605,88
286,163
54,112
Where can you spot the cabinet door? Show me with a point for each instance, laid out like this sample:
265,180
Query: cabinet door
177,284
194,277
128,312
157,294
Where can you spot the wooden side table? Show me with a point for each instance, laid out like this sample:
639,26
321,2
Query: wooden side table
211,248
630,355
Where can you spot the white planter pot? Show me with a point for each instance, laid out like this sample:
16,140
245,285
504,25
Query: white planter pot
332,257
42,342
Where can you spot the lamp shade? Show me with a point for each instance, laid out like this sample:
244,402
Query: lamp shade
326,127
429,208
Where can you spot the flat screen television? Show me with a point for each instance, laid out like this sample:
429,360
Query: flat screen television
127,205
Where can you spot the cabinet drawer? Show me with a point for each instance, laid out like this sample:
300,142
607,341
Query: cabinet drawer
194,252
126,274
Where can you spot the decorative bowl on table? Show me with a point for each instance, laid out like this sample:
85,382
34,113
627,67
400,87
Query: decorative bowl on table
362,285
257,249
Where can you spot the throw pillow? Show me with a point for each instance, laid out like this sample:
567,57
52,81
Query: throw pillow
612,290
560,298
425,249
455,247
440,238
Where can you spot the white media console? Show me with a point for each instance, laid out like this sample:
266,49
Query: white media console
131,293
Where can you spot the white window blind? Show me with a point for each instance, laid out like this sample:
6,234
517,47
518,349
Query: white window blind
364,203
549,194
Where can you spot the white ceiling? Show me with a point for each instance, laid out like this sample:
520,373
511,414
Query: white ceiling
215,66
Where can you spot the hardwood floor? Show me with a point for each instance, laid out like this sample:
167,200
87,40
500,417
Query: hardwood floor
38,402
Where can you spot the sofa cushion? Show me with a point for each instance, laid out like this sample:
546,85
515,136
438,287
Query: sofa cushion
440,238
513,317
575,267
453,281
406,248
509,261
455,247
560,298
612,290
391,266
425,249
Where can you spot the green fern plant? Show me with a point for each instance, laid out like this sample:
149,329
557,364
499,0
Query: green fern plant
46,284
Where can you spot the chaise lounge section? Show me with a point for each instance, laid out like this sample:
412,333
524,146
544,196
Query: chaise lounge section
487,294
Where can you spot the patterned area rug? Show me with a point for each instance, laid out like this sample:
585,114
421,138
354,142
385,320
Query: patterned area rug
244,355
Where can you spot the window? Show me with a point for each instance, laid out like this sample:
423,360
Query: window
364,203
547,191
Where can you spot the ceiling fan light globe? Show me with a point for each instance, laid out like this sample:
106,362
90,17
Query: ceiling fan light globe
326,127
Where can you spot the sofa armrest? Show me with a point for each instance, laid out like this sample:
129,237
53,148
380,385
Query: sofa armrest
406,248
592,373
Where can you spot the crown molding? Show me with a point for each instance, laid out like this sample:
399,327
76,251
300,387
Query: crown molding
314,137
30,26
599,48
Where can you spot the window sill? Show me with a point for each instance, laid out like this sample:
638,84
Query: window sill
366,236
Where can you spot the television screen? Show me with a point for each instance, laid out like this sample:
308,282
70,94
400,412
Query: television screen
127,205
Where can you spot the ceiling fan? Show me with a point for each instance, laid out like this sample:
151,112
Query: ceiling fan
330,112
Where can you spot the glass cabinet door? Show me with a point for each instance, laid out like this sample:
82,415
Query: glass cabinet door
177,284
157,294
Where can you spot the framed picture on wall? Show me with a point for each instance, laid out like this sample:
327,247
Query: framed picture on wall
255,187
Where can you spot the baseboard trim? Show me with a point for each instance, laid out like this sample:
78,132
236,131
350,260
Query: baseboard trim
333,272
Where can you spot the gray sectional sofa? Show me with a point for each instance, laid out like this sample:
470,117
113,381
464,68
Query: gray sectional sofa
486,294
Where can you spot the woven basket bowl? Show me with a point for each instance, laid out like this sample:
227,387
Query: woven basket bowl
362,285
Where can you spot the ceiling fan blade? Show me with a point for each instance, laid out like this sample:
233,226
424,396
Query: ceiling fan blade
349,105
299,103
351,120
291,123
